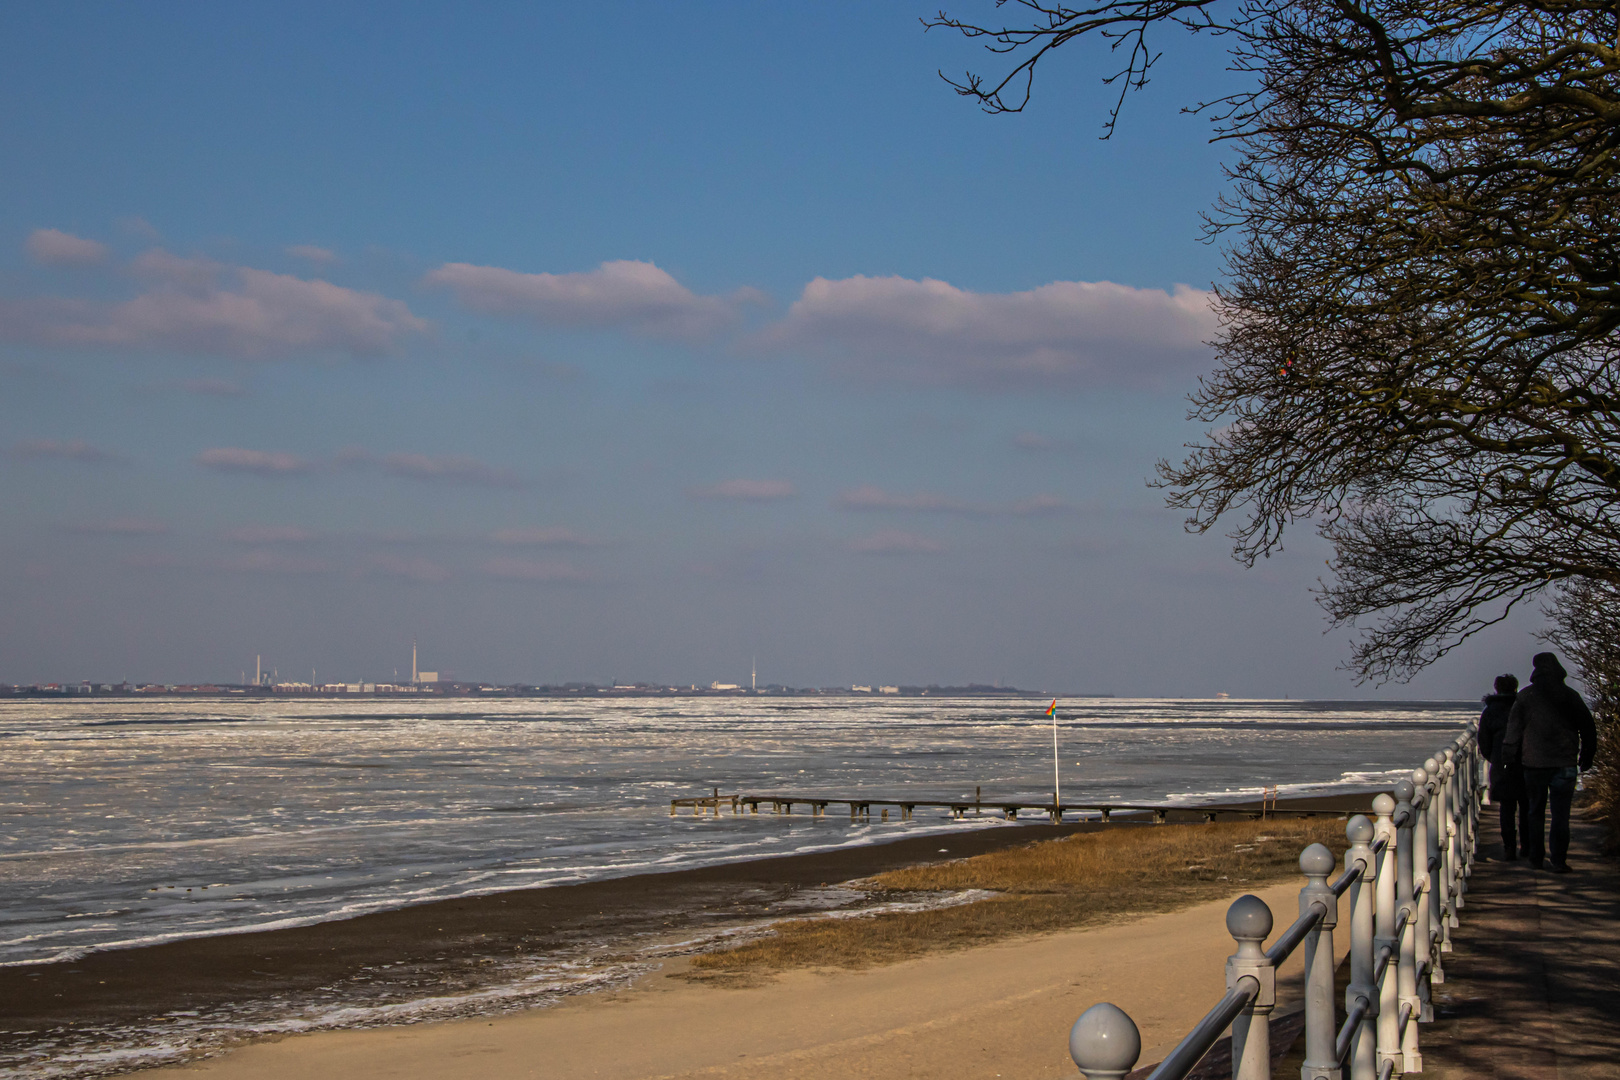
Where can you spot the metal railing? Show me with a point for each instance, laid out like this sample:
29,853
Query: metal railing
1406,870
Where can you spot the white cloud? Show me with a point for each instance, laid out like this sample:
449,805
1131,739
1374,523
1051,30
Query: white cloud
1070,334
1036,443
201,306
449,469
184,271
548,537
123,527
140,227
318,255
411,569
871,497
57,248
269,534
62,450
624,294
263,462
894,542
531,570
213,387
1037,505
741,490
272,562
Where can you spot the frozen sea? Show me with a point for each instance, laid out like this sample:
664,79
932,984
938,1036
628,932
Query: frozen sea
126,823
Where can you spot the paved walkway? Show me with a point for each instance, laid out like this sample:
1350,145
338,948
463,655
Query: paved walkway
1532,991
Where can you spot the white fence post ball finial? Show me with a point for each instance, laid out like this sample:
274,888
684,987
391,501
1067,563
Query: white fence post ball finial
1248,920
1104,1042
1317,861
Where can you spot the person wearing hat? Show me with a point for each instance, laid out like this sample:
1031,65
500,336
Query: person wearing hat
1507,781
1551,737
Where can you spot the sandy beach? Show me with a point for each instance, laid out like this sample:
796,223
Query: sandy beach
998,1010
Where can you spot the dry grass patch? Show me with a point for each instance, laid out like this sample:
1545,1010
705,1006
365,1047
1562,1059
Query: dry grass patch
1081,880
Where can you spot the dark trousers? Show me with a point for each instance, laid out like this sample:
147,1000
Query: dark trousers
1558,787
1507,791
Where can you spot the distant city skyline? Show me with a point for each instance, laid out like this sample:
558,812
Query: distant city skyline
588,343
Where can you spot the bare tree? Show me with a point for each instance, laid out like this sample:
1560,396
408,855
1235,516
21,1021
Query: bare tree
1419,317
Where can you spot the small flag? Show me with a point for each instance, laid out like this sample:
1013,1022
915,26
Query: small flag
1051,710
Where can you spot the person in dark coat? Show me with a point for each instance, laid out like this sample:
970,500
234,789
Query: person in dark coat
1551,736
1506,781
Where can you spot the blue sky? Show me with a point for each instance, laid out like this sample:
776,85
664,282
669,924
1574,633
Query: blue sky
611,342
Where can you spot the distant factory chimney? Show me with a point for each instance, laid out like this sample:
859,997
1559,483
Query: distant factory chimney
413,662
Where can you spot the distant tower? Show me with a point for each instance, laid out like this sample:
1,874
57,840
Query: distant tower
258,669
753,675
413,661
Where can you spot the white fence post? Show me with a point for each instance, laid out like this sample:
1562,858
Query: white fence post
1104,1042
1386,938
1406,967
1363,1054
1248,920
1421,942
1453,841
1321,1063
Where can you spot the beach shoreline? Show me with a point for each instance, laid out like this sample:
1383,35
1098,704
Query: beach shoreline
469,956
995,1010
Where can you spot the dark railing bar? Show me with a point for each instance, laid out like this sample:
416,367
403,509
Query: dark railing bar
1348,878
1191,1050
1347,1034
1295,934
1387,953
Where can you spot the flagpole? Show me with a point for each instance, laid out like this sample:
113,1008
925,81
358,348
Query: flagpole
1057,787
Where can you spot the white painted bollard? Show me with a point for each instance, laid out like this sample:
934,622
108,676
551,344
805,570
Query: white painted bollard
1249,920
1453,842
1321,1062
1422,943
1361,993
1405,905
1104,1042
1385,937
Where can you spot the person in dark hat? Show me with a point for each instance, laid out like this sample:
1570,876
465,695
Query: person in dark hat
1551,736
1507,781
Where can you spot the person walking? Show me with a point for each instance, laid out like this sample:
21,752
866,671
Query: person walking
1506,781
1551,736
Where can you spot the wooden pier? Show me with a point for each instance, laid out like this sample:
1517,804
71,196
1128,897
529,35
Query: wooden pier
860,808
